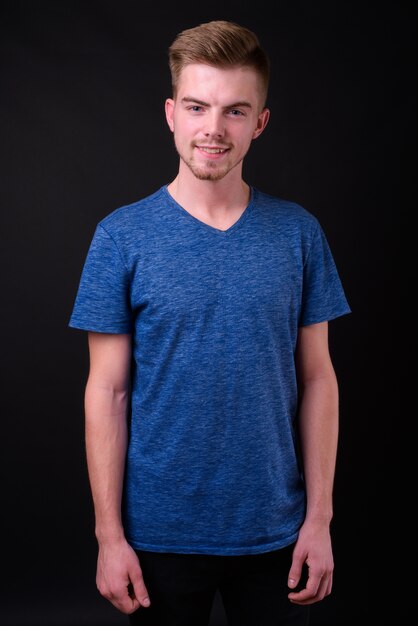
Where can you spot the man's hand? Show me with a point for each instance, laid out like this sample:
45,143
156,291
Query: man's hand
119,576
313,549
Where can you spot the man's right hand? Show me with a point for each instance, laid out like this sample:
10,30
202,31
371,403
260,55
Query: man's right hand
119,576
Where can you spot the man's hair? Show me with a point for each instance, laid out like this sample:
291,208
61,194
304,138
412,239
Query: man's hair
221,44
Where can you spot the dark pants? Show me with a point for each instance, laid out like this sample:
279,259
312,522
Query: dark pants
253,589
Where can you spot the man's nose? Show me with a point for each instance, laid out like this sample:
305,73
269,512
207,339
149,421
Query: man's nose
215,125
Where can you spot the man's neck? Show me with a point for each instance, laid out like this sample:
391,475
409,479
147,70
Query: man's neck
214,199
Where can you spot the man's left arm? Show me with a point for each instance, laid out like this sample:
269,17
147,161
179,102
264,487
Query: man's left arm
318,431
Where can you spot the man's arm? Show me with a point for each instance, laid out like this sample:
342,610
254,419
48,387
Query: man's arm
119,576
318,429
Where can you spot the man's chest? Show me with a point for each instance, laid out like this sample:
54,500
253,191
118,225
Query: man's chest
185,278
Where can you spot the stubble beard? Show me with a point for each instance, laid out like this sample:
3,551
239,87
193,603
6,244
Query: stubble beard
210,171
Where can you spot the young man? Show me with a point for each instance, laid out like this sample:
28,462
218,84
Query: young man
212,403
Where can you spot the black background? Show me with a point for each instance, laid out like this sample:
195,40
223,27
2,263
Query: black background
82,88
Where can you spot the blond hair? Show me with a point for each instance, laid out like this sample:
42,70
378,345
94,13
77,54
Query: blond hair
221,44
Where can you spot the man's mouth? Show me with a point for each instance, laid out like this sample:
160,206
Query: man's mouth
209,150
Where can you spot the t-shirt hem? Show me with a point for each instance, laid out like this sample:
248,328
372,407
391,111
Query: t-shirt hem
100,328
308,321
216,550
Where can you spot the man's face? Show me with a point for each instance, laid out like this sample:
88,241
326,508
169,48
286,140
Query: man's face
214,117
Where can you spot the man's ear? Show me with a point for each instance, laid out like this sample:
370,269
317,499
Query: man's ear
169,113
262,120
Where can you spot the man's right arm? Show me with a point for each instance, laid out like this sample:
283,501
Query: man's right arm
119,576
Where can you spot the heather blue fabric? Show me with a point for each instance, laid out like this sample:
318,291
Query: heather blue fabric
212,465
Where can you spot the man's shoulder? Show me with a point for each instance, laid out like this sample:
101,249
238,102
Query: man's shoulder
284,210
136,214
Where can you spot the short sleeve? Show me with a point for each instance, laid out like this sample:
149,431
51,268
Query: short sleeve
323,297
102,300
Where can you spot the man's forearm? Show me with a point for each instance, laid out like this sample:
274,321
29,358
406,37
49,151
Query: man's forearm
106,441
318,425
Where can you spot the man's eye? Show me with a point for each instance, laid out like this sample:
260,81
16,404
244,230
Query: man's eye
236,112
196,107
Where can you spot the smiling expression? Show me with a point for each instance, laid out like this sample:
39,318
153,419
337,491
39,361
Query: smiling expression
214,117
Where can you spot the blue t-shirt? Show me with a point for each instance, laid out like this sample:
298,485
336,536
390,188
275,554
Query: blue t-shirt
212,463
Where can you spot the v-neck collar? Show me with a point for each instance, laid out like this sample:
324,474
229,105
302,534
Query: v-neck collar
208,227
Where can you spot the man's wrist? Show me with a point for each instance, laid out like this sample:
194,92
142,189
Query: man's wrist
109,535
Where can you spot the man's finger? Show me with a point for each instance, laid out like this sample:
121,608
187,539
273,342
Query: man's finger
137,589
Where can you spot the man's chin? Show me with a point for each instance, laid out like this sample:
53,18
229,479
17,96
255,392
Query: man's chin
206,176
207,173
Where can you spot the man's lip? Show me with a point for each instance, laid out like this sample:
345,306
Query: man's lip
212,147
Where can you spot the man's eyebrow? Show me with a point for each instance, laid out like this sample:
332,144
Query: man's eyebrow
234,105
